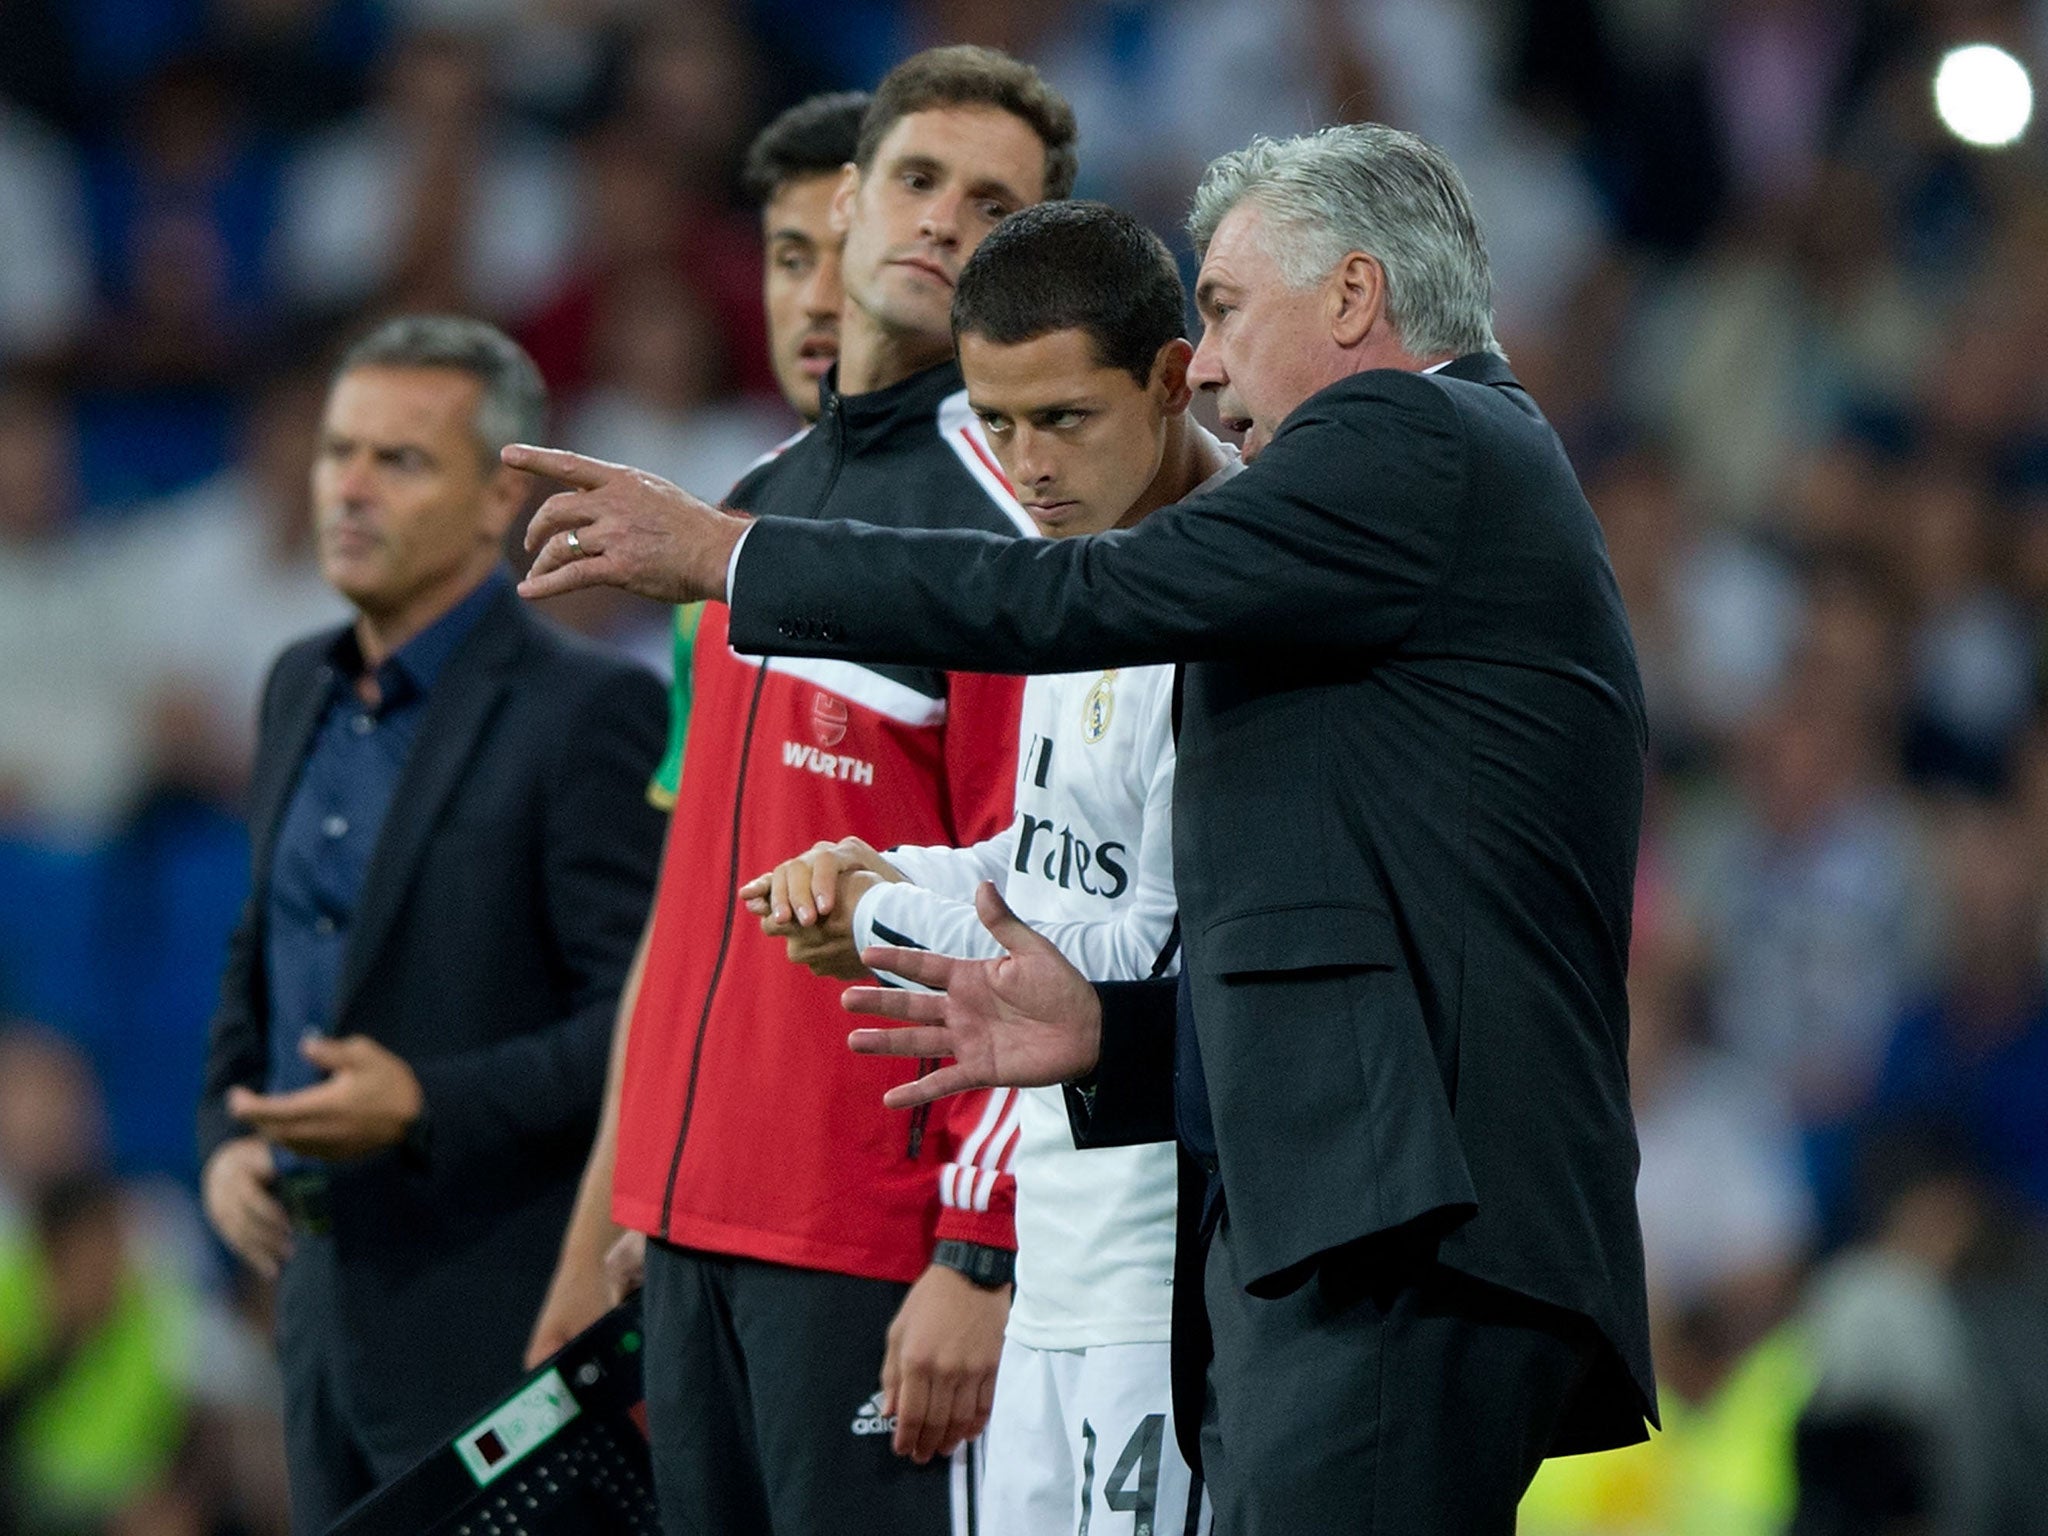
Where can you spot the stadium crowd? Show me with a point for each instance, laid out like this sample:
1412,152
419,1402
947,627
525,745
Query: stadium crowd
1787,326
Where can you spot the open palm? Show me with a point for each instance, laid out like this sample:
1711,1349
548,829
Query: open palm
1025,1020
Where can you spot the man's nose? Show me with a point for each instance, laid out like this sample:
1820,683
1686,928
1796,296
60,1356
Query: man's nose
1205,369
1031,470
822,297
355,482
941,221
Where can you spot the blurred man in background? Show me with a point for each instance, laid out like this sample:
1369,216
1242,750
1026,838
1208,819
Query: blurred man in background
792,171
451,853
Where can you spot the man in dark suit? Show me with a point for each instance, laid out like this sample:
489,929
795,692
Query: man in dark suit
1410,778
452,854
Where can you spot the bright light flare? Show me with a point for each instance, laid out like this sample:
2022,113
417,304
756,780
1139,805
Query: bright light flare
1983,95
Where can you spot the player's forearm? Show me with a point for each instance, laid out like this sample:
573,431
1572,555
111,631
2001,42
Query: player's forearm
914,917
591,1229
955,873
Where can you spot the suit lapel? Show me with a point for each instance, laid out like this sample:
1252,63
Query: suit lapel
466,695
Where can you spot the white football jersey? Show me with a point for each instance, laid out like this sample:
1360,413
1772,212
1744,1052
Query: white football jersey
1088,862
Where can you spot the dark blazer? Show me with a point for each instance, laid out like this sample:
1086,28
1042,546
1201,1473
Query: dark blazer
1408,792
501,911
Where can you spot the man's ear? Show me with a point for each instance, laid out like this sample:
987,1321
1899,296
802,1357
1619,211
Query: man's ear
841,216
1358,298
1170,376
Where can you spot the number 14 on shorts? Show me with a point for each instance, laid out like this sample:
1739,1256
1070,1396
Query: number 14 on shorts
1132,1486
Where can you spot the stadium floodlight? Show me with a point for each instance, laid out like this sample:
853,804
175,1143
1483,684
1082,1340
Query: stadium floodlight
1983,95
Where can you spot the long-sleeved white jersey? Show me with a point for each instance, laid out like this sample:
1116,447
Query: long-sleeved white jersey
1088,862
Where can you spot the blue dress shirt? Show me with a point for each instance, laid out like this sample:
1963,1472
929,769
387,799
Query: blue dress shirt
330,826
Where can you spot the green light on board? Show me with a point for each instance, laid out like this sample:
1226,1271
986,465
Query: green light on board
629,1343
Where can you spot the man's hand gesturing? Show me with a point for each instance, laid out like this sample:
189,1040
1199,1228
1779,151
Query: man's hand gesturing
620,527
368,1101
1027,1020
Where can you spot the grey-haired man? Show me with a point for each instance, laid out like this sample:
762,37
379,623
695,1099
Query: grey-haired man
452,854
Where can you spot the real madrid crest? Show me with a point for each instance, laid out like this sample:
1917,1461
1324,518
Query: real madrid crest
1098,708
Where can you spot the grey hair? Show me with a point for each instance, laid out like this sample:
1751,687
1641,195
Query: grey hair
1366,187
513,407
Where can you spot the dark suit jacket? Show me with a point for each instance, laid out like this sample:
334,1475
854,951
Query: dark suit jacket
1406,809
500,914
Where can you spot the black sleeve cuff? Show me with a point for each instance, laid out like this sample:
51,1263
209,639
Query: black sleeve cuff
1127,1100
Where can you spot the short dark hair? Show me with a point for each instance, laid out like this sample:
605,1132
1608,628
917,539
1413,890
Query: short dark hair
963,75
1074,266
813,138
514,404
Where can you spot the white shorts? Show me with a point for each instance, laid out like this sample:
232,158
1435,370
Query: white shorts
1081,1441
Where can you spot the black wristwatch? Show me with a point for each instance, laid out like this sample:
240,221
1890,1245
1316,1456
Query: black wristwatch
990,1268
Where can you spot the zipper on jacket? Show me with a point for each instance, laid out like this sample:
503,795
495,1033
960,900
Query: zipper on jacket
732,876
732,896
920,1116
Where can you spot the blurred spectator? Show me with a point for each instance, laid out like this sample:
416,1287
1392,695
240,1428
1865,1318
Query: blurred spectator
655,403
1971,651
182,203
431,200
1978,395
299,63
217,581
1727,1223
656,369
689,94
1727,1231
45,265
1724,1464
1636,78
1775,68
52,1126
1765,343
71,752
1811,890
1832,506
655,189
95,1369
1438,68
1714,613
38,64
1727,1217
129,1403
1973,1055
1895,1437
1212,74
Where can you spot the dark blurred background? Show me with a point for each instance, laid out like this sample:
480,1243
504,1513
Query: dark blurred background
1793,328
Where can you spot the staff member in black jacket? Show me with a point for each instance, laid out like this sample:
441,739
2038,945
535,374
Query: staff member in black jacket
452,855
1405,833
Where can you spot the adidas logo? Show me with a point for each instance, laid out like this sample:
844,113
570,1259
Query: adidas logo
868,1418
